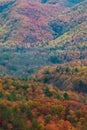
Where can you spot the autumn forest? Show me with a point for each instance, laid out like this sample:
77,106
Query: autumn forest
43,64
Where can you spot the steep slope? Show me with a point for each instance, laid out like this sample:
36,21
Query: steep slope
69,19
24,22
68,76
71,29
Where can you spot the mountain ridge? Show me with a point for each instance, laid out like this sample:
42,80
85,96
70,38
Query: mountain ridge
29,22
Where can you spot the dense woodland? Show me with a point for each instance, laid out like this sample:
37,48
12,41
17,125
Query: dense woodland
60,103
44,107
68,76
67,31
43,64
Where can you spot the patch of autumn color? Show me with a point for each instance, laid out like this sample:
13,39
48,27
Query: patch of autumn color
41,120
7,93
52,126
65,125
29,91
35,111
10,127
29,123
1,88
12,87
74,95
39,92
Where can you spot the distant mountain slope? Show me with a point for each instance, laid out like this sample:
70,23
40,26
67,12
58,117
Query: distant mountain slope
74,40
23,22
69,19
70,37
26,22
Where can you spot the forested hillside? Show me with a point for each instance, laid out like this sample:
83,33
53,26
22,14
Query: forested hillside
27,23
69,76
36,34
44,107
43,64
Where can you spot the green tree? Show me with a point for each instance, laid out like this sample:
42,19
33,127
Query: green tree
47,92
1,95
66,96
58,96
27,110
76,70
67,70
